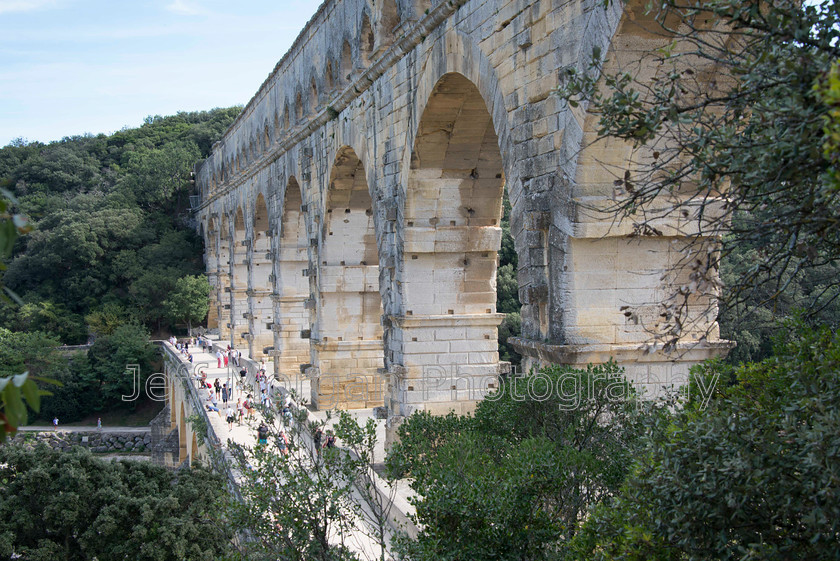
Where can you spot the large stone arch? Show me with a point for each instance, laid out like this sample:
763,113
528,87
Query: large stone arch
261,318
211,251
194,455
292,324
446,335
225,256
239,307
348,348
513,52
183,450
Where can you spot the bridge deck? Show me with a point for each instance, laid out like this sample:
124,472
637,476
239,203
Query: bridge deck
244,432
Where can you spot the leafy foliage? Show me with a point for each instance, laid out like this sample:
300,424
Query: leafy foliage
23,362
733,135
302,500
189,301
96,381
753,477
110,217
70,505
507,290
514,481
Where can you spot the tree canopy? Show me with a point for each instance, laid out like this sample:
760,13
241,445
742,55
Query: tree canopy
111,223
70,505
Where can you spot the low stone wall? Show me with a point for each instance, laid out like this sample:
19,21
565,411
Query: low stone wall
95,441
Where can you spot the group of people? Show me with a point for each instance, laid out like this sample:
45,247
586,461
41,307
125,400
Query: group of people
220,391
227,357
183,347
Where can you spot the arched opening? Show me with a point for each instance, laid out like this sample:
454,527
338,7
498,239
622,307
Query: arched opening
313,96
286,118
173,411
182,437
266,137
366,41
299,107
389,19
346,62
224,279
328,78
239,281
194,450
213,272
452,234
349,331
261,305
293,320
240,268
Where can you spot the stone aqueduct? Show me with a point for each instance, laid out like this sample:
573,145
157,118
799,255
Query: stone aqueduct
351,214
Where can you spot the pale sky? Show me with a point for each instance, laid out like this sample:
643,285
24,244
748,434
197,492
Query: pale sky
70,67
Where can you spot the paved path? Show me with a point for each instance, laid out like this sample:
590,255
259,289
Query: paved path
245,432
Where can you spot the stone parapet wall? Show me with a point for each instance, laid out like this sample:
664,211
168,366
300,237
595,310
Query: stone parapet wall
96,441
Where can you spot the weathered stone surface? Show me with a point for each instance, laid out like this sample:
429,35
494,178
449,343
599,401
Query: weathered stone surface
357,199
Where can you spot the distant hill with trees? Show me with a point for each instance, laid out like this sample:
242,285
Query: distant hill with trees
110,224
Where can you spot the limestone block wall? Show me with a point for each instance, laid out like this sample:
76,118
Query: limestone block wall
102,442
382,146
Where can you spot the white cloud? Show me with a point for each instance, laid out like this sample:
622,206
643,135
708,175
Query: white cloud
182,7
24,5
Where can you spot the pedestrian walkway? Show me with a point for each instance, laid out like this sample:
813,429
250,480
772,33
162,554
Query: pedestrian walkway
244,432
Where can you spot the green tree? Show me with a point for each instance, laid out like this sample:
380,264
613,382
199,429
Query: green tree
70,505
507,290
515,481
108,209
755,476
109,358
25,358
189,301
304,503
729,130
52,318
156,175
105,320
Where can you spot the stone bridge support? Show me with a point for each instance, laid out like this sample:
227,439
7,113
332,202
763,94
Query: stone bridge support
292,302
175,441
368,175
261,285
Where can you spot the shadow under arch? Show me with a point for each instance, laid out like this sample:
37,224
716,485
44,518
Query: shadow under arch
260,286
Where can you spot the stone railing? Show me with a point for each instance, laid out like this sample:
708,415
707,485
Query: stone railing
180,368
97,441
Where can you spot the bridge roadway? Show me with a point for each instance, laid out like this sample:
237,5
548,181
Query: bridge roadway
244,433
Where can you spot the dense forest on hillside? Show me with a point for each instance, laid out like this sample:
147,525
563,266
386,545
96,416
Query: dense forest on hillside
110,216
110,238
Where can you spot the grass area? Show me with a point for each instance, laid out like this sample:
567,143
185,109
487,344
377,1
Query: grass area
141,416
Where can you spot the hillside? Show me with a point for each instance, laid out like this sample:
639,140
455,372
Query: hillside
110,216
